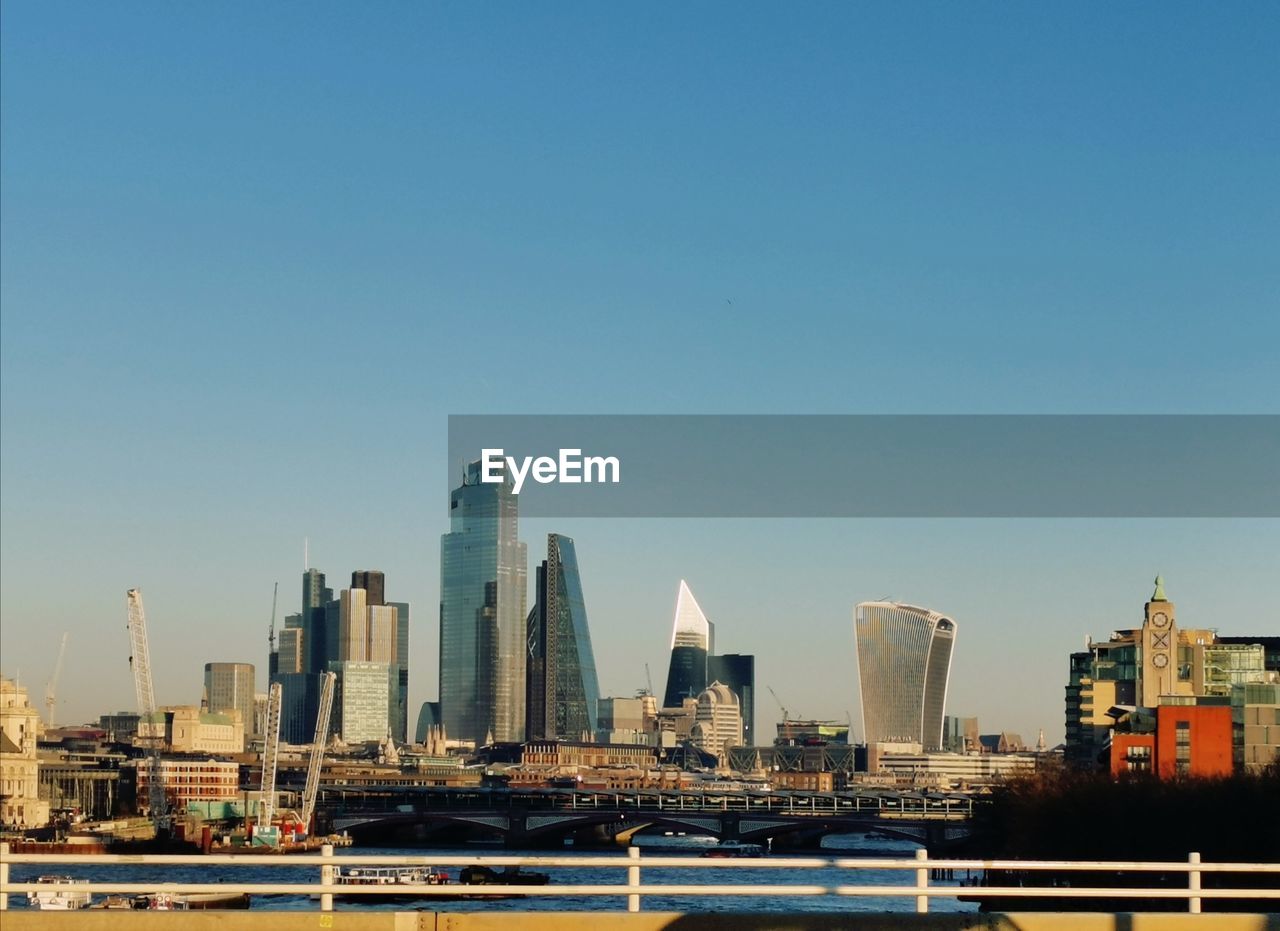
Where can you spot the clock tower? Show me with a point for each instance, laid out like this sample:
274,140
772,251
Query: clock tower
1159,641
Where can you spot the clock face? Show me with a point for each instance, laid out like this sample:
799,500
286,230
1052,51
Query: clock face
1160,660
1160,619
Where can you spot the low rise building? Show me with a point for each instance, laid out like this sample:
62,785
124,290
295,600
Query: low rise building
953,770
20,802
187,729
188,782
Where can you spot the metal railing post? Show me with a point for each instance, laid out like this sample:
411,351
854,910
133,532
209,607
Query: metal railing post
326,878
1193,883
633,878
4,876
922,880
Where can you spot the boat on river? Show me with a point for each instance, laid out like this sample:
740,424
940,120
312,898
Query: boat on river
733,848
180,902
388,876
468,879
61,896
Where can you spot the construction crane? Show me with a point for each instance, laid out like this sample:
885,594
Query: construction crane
648,677
264,832
51,689
140,662
317,751
786,715
271,630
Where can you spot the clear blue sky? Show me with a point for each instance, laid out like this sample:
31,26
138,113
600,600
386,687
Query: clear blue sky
252,259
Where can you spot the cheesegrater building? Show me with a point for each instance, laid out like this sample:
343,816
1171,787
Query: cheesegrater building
904,663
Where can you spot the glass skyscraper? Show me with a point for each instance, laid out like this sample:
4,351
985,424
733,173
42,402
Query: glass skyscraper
692,638
904,663
563,691
482,613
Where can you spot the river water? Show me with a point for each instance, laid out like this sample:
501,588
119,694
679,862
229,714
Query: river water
836,846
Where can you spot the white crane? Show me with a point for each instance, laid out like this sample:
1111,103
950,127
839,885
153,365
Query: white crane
140,661
786,715
271,630
317,751
51,689
270,759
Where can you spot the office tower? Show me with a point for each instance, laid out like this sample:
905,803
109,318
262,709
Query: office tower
691,641
738,672
315,596
353,626
904,662
400,724
299,705
230,686
483,613
364,695
374,584
717,721
290,655
562,689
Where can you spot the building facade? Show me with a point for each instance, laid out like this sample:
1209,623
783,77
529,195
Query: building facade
483,613
738,672
904,665
717,721
189,782
188,729
20,727
365,694
1145,668
563,692
1188,740
230,686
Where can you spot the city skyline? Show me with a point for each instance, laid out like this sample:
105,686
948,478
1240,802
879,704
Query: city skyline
989,715
380,221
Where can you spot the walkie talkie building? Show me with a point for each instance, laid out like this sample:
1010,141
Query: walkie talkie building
904,663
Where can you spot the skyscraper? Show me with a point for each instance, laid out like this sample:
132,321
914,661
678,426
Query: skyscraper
483,613
400,718
562,689
374,584
230,686
314,598
904,662
359,627
691,641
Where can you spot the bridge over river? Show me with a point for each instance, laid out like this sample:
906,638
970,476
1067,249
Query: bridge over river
537,817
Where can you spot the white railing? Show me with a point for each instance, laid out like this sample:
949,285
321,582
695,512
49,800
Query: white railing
633,889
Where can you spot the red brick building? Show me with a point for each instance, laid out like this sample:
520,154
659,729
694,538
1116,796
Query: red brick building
1189,740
